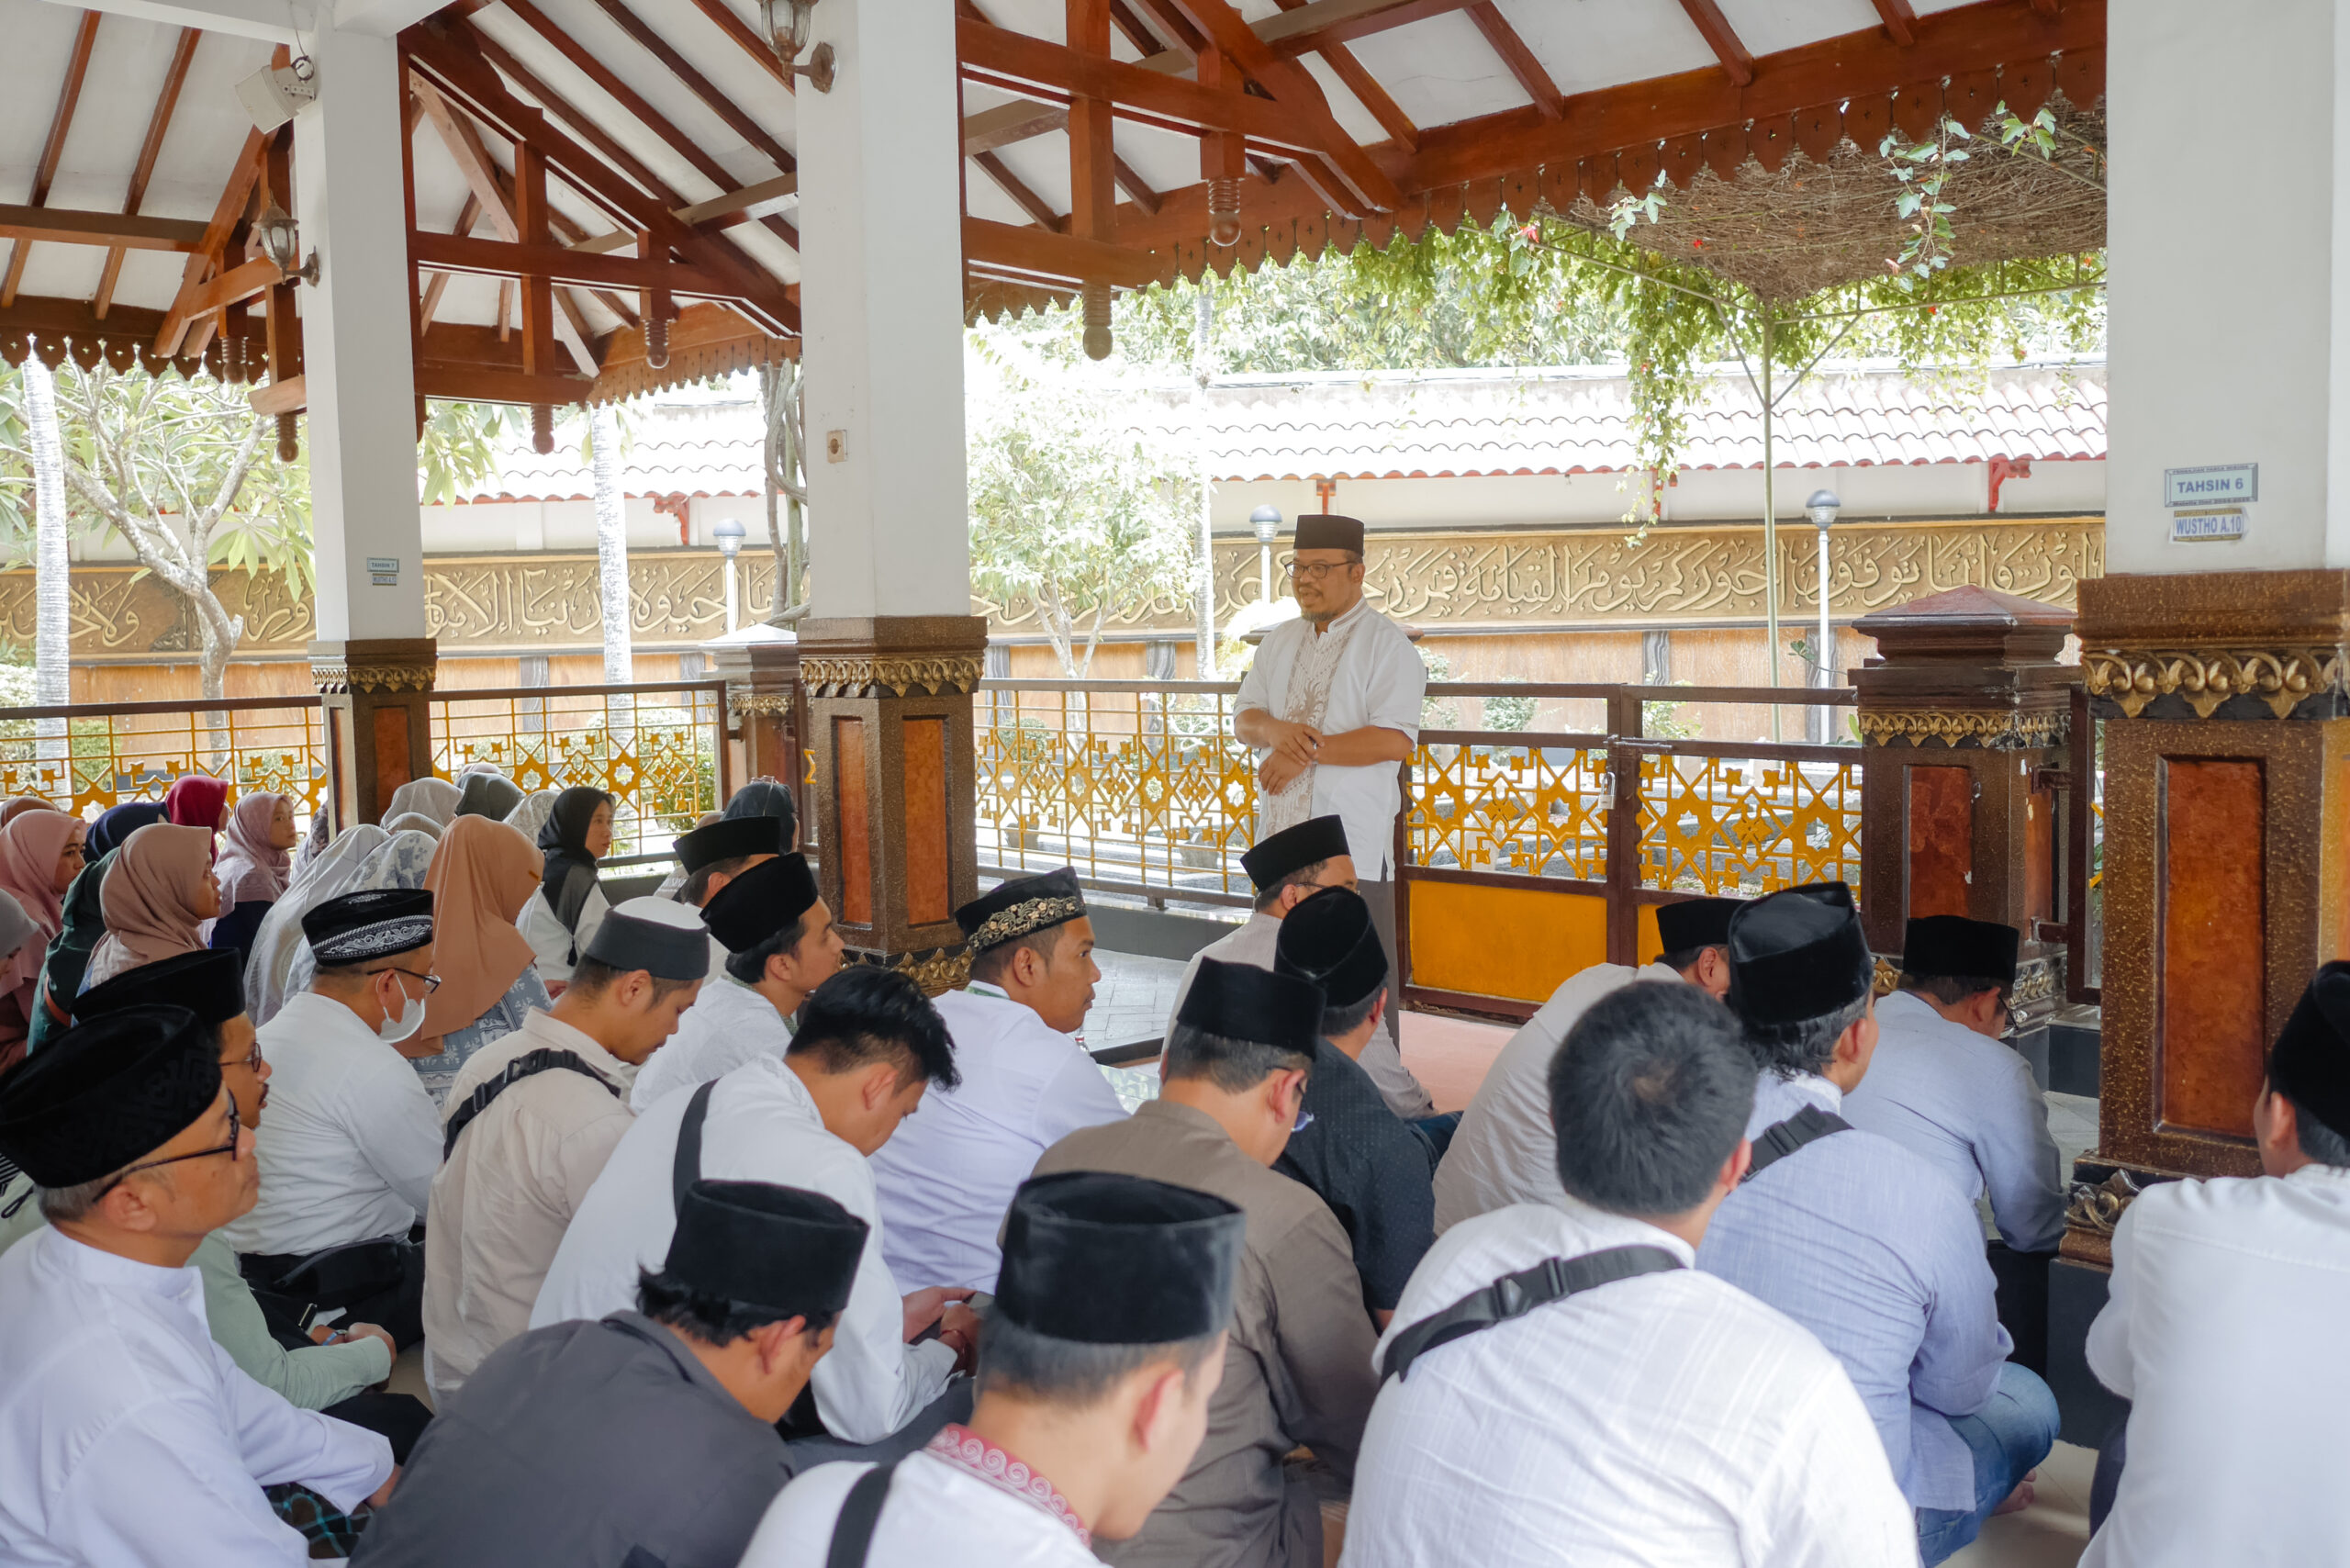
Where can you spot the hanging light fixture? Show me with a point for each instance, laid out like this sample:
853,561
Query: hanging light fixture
281,241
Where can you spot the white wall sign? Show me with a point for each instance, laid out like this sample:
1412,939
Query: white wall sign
2213,524
2221,486
384,571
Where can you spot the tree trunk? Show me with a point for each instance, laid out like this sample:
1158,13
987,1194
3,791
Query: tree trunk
787,481
52,587
1204,593
611,564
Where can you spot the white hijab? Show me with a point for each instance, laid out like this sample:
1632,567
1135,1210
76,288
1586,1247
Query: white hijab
333,870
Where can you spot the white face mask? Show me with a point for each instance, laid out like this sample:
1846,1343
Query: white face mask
392,1031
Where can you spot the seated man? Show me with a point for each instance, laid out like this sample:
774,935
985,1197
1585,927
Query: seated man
353,1139
648,1437
333,1368
1359,1157
779,942
870,1044
1857,1239
947,1176
532,1119
714,854
1661,1418
1089,1396
1505,1151
129,1437
1298,1367
2223,1326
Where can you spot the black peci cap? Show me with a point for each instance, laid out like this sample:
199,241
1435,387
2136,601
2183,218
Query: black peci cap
209,983
790,1252
1104,1258
1294,849
1329,939
1797,954
107,1094
761,902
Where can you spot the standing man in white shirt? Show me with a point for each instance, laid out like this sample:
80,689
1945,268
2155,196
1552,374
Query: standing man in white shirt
715,854
947,1175
1505,1151
1284,869
127,1436
1098,1399
353,1140
531,1120
2223,1329
780,944
1332,705
1563,1385
869,1045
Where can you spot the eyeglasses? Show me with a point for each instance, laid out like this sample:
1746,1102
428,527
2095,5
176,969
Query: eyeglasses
252,1061
228,1148
431,982
1315,572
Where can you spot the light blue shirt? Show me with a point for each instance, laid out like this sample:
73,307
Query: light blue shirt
1871,1249
1969,1106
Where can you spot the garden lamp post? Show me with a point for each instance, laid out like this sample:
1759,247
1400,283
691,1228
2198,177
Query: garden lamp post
1821,509
1267,522
728,534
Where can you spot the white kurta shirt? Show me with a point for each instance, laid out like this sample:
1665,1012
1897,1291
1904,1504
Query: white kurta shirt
1968,1106
961,1501
948,1175
1252,943
502,1202
762,1126
1380,682
1669,1418
1505,1151
726,1026
350,1141
129,1439
2223,1326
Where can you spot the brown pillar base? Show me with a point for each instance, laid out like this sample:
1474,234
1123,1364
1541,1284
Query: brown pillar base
379,731
767,709
2227,850
888,722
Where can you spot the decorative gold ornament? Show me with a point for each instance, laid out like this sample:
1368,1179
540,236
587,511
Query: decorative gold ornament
892,674
2205,678
339,677
1886,978
759,704
2098,1208
1983,729
2035,983
937,971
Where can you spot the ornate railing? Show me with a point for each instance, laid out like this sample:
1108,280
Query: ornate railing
86,757
659,748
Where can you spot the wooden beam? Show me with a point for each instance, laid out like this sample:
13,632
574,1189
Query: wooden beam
1138,190
1015,187
478,383
1722,39
2047,8
1093,153
722,16
226,215
1007,123
235,286
166,102
1523,65
290,395
69,93
1016,250
558,263
716,213
1362,83
1317,27
1900,22
68,226
700,86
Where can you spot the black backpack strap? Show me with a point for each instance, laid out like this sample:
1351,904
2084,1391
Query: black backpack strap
860,1511
529,1064
1514,1295
684,1168
1780,1140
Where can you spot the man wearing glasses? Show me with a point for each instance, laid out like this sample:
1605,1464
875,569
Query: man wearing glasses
1332,705
126,1434
1946,1085
352,1140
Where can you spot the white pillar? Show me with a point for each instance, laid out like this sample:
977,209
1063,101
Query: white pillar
2229,236
882,305
357,357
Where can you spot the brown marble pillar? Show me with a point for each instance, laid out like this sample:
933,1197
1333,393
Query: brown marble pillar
767,715
1962,718
2227,852
889,724
379,734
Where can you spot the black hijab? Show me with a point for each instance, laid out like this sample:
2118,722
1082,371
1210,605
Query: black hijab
115,824
570,874
765,798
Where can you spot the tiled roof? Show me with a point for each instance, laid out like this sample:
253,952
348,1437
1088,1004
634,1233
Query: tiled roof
1443,424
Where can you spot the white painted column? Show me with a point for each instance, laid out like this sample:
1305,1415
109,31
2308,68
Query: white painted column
357,356
2229,235
881,305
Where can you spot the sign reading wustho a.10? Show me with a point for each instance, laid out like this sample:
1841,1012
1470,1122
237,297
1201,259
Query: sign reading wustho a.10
2220,485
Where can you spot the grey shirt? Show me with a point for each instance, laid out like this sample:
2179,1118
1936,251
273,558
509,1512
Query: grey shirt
1297,1369
591,1444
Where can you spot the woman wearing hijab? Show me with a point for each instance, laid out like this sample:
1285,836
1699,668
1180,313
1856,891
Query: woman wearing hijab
83,922
532,814
114,827
22,805
570,905
483,876
491,795
279,940
321,834
155,894
412,822
197,799
40,854
431,797
17,933
254,867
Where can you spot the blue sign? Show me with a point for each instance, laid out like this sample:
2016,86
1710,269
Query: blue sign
2221,486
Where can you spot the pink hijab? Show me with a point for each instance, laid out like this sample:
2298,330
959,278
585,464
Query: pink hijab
30,845
252,870
195,801
149,893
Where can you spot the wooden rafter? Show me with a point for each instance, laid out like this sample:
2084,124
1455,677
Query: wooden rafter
1012,185
166,102
722,16
1365,87
1028,255
70,226
700,86
561,263
69,93
1313,27
429,306
711,215
235,196
1722,39
1900,22
1524,66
